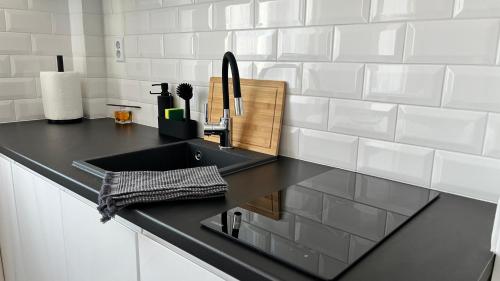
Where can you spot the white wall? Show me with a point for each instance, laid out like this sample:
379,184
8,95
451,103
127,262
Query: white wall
403,89
32,33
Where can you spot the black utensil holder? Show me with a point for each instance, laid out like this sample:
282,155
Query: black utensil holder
186,129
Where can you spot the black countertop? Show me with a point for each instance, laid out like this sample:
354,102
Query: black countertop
449,240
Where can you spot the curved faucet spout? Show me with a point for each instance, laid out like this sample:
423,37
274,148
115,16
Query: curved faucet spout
230,60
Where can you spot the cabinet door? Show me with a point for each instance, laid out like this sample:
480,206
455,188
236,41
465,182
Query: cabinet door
10,244
96,251
158,263
38,205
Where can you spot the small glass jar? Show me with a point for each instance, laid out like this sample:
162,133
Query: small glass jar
123,115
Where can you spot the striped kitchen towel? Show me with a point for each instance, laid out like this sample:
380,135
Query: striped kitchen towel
121,189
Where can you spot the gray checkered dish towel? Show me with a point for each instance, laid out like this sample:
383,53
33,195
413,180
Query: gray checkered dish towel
121,189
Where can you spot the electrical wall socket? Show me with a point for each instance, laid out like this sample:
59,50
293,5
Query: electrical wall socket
119,49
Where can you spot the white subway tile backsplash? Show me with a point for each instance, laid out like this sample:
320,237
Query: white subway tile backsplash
96,67
165,70
94,87
60,6
305,44
492,141
328,148
197,72
15,43
289,72
472,87
94,46
2,20
322,12
341,80
306,112
275,13
7,112
17,88
45,44
195,18
139,69
30,66
408,84
369,43
113,24
467,175
289,142
459,42
148,4
4,66
409,164
14,4
137,23
164,20
168,3
213,45
95,108
449,129
361,118
131,45
476,8
93,24
28,21
151,46
245,69
387,10
255,44
61,24
234,14
30,109
180,45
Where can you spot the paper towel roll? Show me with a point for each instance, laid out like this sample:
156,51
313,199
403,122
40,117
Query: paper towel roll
61,95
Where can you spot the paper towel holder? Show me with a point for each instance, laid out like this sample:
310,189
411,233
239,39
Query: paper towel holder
60,68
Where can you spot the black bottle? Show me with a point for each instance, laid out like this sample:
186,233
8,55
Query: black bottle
165,99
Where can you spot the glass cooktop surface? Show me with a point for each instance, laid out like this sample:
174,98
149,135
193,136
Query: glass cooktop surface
324,223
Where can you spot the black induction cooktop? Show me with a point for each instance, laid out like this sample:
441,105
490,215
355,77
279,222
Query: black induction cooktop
327,222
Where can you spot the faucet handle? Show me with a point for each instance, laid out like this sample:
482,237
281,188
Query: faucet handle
206,112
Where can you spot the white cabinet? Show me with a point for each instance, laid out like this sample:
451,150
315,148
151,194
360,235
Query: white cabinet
158,262
96,251
38,206
49,234
9,232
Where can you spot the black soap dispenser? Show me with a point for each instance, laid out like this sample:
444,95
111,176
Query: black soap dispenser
165,98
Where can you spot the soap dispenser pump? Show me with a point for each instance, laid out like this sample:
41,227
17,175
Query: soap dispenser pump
165,98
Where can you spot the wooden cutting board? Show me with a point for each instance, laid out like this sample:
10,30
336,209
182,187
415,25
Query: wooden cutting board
259,128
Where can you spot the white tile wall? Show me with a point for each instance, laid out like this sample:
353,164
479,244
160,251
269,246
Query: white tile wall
369,43
387,10
492,142
449,129
305,44
341,80
454,42
362,118
328,148
408,84
472,87
410,164
320,12
410,77
467,175
234,14
274,13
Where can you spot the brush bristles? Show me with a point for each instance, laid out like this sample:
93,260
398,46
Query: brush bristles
184,88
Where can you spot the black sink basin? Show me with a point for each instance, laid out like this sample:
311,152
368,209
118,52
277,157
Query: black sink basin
179,155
